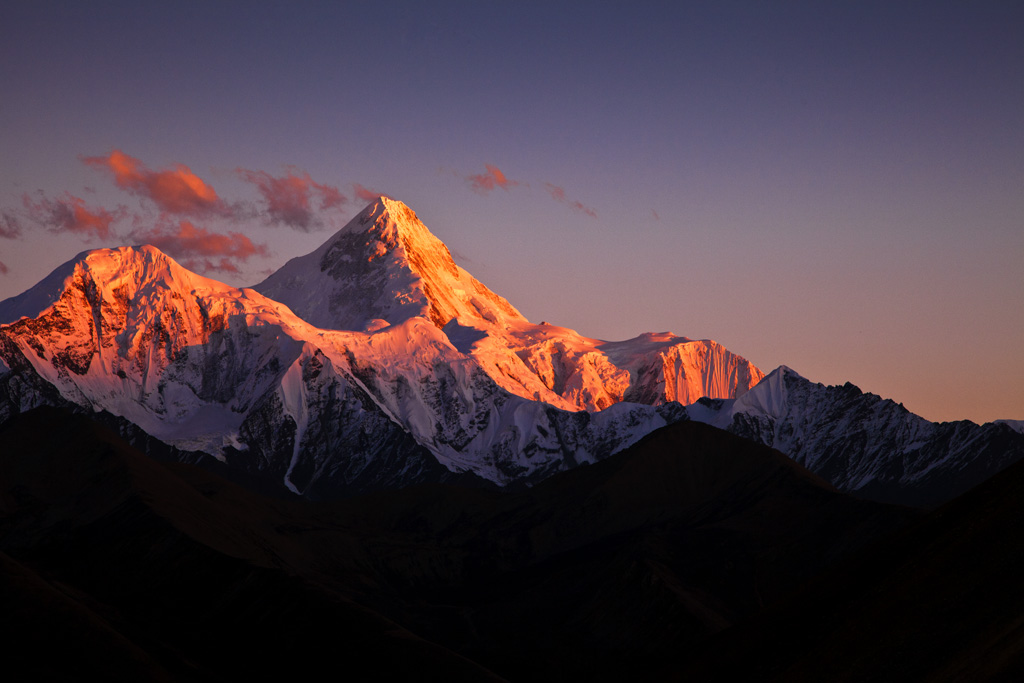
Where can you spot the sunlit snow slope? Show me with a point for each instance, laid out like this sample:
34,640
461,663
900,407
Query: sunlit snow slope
437,371
376,361
385,267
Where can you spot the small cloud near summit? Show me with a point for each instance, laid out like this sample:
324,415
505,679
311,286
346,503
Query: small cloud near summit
289,198
176,190
485,182
367,195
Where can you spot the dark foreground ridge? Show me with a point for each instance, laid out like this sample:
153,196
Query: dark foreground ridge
120,566
941,600
114,562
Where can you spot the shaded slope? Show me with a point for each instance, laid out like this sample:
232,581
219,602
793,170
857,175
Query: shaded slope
50,635
622,566
193,584
940,601
603,570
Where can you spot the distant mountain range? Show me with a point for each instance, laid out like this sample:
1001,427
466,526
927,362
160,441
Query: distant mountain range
376,362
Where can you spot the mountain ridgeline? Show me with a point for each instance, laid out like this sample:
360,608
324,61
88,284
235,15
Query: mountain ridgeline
376,362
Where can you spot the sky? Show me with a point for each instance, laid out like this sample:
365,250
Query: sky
837,187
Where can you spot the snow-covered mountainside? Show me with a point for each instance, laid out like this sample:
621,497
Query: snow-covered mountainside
439,375
385,267
376,361
862,443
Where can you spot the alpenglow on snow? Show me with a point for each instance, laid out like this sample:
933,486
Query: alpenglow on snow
373,361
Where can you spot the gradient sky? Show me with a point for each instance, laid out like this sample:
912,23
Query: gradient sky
838,187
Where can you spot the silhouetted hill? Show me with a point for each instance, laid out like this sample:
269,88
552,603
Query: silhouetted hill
168,579
941,600
613,569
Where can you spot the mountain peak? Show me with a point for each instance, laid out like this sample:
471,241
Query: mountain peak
386,206
125,268
383,268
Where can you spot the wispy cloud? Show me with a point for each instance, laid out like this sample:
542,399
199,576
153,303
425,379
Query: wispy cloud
10,227
176,190
71,214
201,250
558,194
289,198
655,214
364,194
3,268
485,182
578,206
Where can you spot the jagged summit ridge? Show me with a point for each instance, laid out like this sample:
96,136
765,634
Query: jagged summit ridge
383,267
130,331
373,360
128,266
863,443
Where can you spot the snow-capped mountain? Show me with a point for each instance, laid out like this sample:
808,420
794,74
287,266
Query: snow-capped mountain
862,443
439,375
377,361
381,269
385,267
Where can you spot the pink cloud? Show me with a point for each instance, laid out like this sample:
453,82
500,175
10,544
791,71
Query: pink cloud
365,194
330,196
485,182
558,194
176,190
70,214
289,197
10,228
224,265
3,268
578,206
655,214
200,249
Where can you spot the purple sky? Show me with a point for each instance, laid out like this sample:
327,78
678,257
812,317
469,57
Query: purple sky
838,187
